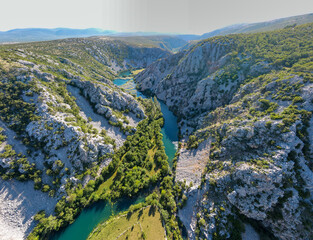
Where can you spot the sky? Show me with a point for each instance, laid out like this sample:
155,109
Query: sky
166,16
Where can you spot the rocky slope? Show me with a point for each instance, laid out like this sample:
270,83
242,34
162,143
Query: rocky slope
200,75
62,119
248,100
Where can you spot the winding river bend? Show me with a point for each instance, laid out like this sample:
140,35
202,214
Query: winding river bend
170,128
91,216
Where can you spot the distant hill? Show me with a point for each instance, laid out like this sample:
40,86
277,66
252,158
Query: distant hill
165,41
248,28
260,27
43,34
184,41
170,43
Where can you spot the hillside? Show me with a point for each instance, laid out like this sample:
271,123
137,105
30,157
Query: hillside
62,121
248,28
244,104
261,27
87,57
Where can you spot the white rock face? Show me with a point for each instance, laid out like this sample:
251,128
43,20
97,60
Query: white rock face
19,204
66,143
105,50
254,200
190,164
188,214
98,120
106,99
259,168
192,82
258,192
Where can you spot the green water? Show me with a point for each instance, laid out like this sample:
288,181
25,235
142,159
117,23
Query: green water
120,81
90,217
170,133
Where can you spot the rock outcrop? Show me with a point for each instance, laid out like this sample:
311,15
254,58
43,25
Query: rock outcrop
259,166
106,98
195,81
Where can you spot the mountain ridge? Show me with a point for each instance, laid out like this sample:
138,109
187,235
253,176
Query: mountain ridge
45,34
260,26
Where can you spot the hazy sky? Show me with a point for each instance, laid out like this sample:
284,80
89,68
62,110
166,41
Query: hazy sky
175,16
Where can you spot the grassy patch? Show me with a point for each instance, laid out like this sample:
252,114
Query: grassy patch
144,223
105,186
135,72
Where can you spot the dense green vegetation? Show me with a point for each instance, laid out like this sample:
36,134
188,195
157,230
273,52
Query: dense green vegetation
13,109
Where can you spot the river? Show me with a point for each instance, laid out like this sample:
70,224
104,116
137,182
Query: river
170,128
91,216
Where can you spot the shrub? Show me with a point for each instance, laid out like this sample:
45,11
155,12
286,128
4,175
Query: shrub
297,99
